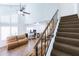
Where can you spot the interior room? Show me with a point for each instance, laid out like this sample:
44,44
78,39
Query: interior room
29,29
13,22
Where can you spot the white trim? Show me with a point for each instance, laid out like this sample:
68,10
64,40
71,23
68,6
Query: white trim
53,39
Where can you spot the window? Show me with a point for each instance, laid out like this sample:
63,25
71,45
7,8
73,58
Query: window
14,19
9,31
14,30
5,33
9,26
5,19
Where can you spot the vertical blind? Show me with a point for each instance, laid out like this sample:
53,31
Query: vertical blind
8,26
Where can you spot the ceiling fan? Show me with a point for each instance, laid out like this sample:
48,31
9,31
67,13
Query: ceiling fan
22,10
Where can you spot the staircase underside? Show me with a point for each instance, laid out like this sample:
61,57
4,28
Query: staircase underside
67,39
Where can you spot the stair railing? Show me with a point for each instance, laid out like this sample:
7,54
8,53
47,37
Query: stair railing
42,45
50,48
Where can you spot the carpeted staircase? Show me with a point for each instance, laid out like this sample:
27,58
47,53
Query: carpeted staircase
67,39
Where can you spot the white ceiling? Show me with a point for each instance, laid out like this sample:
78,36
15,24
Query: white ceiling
7,9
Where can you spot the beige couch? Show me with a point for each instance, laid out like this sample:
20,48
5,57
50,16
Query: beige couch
16,41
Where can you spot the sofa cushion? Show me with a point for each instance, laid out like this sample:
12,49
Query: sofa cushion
22,41
12,45
11,39
16,41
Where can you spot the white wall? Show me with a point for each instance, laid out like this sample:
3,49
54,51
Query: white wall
40,12
78,9
68,9
8,9
21,25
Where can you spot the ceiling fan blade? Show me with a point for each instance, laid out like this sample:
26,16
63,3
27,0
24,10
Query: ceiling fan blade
26,12
22,10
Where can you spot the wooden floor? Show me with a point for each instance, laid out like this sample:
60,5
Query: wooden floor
20,51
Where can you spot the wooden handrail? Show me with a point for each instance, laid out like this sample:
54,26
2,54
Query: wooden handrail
47,34
46,28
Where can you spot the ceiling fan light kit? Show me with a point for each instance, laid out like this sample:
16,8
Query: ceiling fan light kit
22,10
